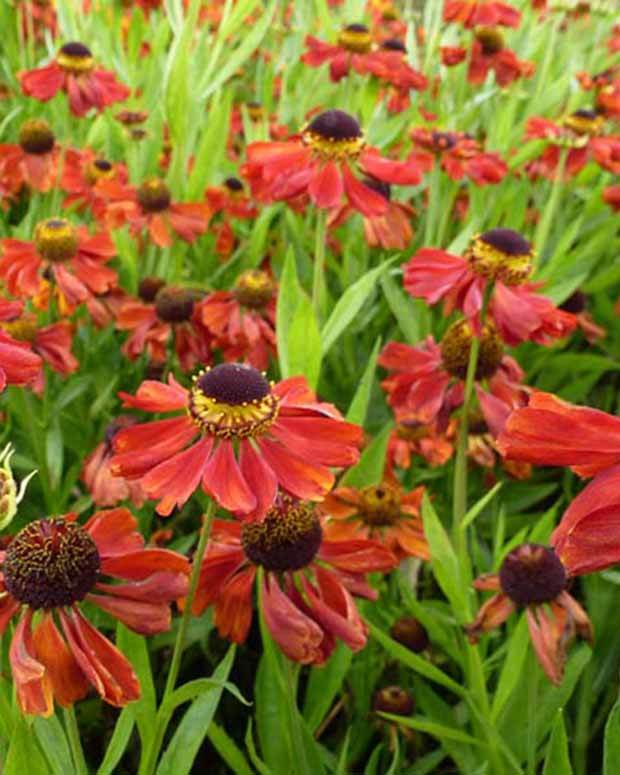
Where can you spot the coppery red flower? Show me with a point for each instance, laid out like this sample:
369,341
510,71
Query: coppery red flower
254,437
411,437
384,513
426,383
308,584
61,253
318,163
150,207
488,53
52,565
501,256
533,577
473,13
243,320
33,161
164,313
82,173
230,201
74,72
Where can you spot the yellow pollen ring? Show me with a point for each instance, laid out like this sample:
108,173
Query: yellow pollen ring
379,506
583,125
75,64
23,329
232,421
56,239
356,41
494,264
332,148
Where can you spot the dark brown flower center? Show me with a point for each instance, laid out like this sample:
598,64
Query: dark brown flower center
334,134
36,137
254,289
287,539
379,506
175,305
55,239
575,303
149,288
532,574
355,38
379,187
154,196
584,122
393,699
490,38
393,44
255,110
443,141
501,254
410,633
234,185
232,401
455,348
75,58
51,563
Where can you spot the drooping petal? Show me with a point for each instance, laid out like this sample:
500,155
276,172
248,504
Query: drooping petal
32,683
67,679
491,614
140,616
114,531
233,607
260,479
223,478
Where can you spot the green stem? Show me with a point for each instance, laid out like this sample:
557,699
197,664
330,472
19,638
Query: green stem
149,759
73,734
318,278
187,610
433,201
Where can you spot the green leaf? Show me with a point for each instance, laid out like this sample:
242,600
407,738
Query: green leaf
411,315
144,710
304,342
24,755
288,298
258,763
211,147
557,760
178,758
512,668
413,661
611,750
432,728
479,506
369,469
358,407
52,739
118,742
349,304
54,452
229,752
444,562
324,684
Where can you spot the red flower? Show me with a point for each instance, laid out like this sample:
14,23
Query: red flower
230,200
452,55
165,313
82,173
150,207
411,437
499,255
308,585
384,513
611,196
461,156
106,489
532,576
74,259
580,134
33,162
74,72
488,53
243,320
48,569
427,381
318,163
472,13
253,438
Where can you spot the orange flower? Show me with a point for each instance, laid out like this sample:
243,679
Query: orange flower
70,256
82,173
308,586
534,577
247,438
384,513
471,13
150,207
47,570
33,161
74,72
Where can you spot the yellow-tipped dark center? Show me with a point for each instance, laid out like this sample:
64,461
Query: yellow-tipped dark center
232,401
99,169
334,134
584,122
379,506
456,346
154,196
36,137
75,58
24,328
254,289
56,239
501,254
355,38
490,38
